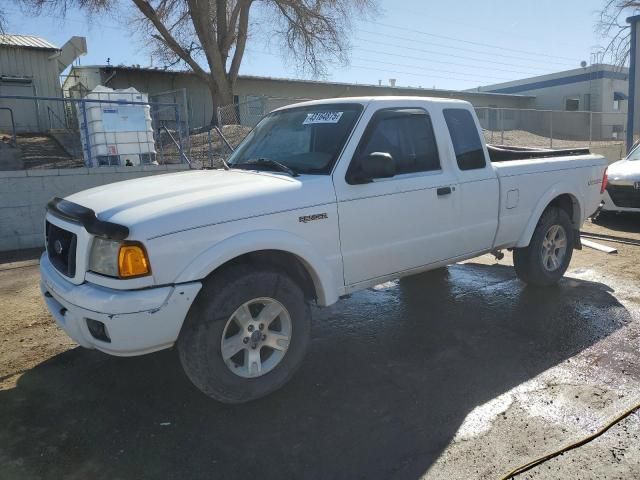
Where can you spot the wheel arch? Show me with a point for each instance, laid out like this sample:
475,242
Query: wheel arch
556,196
274,248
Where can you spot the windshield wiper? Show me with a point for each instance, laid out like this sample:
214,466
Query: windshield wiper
267,162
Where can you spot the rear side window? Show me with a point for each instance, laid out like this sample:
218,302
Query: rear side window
465,138
407,135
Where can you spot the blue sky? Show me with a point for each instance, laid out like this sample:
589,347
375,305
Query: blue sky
451,45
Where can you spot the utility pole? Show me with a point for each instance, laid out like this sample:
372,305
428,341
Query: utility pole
634,78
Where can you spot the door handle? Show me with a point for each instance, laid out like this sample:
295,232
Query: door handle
443,191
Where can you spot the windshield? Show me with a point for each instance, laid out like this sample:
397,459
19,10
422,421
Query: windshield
304,139
635,153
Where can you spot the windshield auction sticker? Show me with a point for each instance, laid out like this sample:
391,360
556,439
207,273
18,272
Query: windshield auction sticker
322,117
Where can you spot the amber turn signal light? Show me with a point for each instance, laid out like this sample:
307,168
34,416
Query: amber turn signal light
133,261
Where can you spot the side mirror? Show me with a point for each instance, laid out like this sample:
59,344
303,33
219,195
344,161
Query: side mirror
374,165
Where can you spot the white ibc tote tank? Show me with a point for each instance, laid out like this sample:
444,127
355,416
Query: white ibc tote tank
119,134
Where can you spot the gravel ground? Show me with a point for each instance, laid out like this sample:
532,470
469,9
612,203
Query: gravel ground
462,375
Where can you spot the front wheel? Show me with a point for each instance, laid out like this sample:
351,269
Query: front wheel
549,253
245,335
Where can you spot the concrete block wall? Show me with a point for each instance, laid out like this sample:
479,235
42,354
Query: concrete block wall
25,193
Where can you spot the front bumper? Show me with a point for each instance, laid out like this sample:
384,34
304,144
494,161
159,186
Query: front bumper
136,321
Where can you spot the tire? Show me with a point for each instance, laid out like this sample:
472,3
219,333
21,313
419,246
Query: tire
218,311
532,264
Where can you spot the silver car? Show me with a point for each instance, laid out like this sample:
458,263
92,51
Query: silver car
623,190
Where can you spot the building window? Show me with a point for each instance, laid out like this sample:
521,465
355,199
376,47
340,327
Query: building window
617,132
508,114
618,97
572,104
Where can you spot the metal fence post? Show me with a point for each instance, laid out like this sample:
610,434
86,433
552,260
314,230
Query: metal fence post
180,149
551,129
186,119
161,145
87,143
492,127
209,152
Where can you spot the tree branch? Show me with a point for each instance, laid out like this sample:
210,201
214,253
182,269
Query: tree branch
233,20
222,25
165,36
243,31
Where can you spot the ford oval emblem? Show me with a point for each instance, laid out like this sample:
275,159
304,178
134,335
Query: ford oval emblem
57,247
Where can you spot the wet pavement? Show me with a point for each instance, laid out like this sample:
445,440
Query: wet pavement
461,373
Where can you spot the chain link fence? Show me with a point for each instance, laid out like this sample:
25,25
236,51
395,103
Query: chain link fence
93,132
208,146
166,135
251,109
603,133
170,114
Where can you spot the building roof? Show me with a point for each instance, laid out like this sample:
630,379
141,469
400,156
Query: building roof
26,41
566,77
111,68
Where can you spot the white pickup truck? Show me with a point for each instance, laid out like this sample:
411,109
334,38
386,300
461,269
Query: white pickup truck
321,199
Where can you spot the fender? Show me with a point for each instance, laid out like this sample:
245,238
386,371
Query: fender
560,188
319,269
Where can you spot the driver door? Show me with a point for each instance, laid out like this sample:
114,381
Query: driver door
390,225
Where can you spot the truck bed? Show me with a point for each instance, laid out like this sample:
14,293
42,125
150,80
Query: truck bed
503,153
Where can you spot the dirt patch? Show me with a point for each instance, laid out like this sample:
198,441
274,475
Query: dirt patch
28,332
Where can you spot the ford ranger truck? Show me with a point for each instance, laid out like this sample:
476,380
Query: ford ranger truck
321,199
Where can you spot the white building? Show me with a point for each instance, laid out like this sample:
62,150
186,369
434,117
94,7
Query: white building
253,96
596,88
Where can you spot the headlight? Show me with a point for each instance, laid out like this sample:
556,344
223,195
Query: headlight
119,260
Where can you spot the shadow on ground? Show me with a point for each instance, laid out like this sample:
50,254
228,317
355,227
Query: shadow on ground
390,377
621,222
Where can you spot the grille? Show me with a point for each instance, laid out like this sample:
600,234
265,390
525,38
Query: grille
61,249
624,196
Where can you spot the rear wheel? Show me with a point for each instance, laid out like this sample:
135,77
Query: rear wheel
245,335
549,253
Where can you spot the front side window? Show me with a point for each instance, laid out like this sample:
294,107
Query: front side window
304,139
407,135
635,153
465,138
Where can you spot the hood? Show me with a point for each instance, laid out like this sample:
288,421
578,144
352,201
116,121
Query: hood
163,204
624,171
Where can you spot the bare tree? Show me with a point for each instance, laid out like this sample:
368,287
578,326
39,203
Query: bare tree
210,36
613,27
